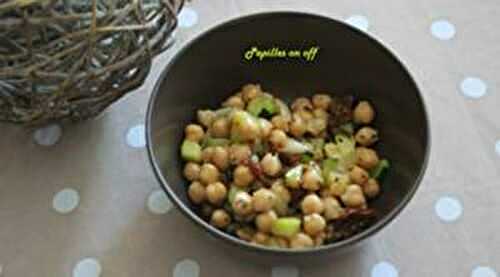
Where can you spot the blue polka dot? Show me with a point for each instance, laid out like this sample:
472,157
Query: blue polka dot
88,267
187,268
448,208
188,17
136,136
473,87
384,269
442,29
358,21
483,271
48,135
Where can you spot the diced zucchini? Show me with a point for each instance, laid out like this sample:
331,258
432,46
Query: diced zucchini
191,151
317,145
209,141
379,171
343,150
286,227
329,166
306,158
263,106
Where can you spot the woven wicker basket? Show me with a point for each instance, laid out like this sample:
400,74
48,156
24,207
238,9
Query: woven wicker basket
70,59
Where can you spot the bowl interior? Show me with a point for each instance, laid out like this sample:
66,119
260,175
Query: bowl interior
212,67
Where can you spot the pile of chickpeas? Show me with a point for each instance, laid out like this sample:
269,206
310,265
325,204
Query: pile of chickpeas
239,167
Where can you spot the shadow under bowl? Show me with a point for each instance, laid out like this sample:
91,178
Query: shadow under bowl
213,66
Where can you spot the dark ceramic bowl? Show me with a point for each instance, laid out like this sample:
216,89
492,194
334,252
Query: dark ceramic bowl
212,67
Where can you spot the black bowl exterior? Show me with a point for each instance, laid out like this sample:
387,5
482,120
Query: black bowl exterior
212,67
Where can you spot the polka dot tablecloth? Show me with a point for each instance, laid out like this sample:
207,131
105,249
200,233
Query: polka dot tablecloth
81,200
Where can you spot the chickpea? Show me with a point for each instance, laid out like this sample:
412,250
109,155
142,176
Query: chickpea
363,113
220,128
196,192
325,191
263,200
277,242
245,233
244,126
319,113
194,132
250,91
242,204
234,101
209,173
280,122
312,204
314,224
220,157
302,103
366,158
298,126
220,218
305,115
337,183
301,240
243,176
265,127
366,136
264,221
216,193
311,180
260,238
281,191
278,139
192,171
321,101
358,175
316,125
333,209
239,153
271,164
207,154
319,239
353,197
371,188
206,117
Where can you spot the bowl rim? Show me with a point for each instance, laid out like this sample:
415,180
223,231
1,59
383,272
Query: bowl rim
359,237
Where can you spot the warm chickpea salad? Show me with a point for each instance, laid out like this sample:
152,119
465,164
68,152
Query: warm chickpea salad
295,176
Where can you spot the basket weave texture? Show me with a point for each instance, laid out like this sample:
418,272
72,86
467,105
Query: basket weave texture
70,59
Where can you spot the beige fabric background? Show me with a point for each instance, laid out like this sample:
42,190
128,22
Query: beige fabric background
113,224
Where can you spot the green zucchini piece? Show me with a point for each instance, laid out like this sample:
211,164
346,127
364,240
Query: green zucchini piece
286,227
209,141
191,151
263,106
379,171
328,166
